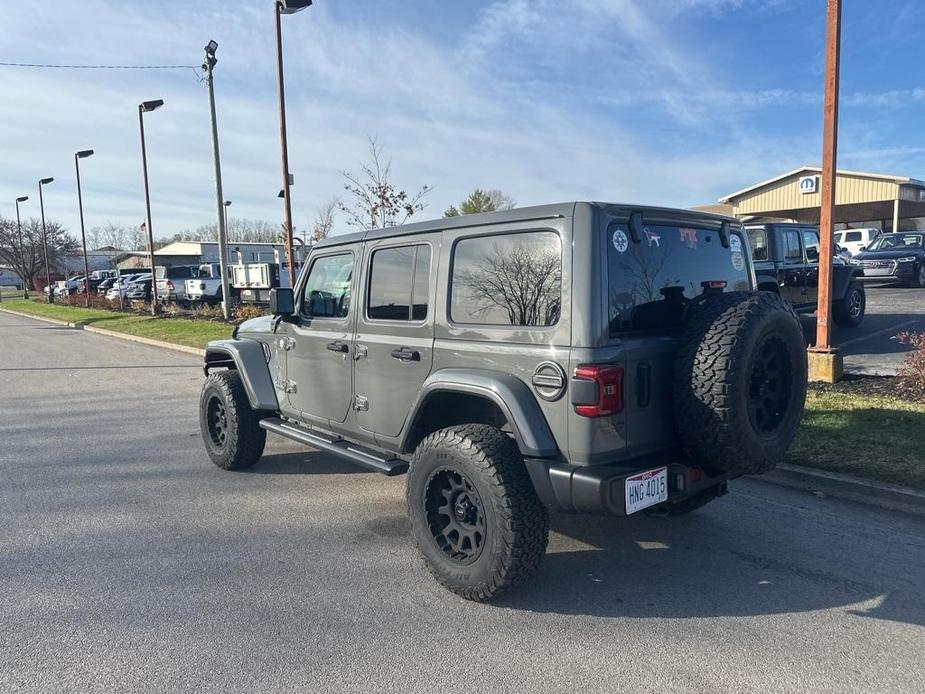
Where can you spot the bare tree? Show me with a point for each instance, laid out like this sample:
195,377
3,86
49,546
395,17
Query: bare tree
324,219
29,261
376,202
524,282
114,235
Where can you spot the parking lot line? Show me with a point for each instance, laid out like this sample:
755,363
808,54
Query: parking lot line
878,333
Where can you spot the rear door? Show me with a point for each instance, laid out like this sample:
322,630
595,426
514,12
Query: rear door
811,269
395,330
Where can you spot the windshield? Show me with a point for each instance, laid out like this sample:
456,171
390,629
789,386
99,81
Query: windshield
653,280
889,242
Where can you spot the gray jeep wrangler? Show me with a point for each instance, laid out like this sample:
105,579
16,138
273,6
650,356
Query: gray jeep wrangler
580,357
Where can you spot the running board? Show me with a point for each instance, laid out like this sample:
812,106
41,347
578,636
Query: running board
338,446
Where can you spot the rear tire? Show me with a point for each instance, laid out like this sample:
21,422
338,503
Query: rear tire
740,382
849,312
474,514
919,280
230,428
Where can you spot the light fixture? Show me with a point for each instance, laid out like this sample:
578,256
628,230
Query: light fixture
148,106
212,46
292,6
22,199
45,181
83,154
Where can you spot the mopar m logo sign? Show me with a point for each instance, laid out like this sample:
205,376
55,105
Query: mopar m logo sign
809,184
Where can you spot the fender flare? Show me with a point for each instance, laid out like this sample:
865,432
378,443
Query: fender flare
512,396
842,277
248,358
767,283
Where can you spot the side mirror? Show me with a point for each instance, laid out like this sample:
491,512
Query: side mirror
863,248
282,301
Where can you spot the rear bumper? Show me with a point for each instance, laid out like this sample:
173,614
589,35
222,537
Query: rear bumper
600,489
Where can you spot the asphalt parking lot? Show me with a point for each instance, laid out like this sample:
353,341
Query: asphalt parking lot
129,563
871,348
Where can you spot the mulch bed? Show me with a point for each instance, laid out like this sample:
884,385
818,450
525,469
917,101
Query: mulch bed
882,386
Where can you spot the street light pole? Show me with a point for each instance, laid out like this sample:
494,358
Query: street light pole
208,66
83,154
281,7
22,248
51,294
145,107
227,205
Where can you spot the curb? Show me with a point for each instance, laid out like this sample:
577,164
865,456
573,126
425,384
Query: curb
111,333
891,497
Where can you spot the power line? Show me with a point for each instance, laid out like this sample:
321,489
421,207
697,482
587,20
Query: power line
103,67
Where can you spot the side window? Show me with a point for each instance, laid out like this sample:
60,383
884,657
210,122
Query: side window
853,236
327,290
792,250
507,279
811,241
758,240
399,279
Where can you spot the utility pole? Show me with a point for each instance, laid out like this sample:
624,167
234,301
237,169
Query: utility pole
824,361
208,65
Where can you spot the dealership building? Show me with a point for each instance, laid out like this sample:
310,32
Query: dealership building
862,200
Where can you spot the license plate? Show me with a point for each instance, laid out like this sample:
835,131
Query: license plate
646,489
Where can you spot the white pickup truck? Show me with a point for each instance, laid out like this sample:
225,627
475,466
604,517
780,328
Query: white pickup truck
253,281
207,285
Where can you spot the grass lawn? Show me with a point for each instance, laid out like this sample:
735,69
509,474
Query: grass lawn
179,331
870,436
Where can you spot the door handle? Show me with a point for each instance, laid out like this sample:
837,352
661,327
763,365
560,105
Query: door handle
338,346
406,354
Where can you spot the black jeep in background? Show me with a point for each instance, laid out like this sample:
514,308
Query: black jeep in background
786,260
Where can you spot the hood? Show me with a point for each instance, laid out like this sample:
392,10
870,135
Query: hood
260,324
888,254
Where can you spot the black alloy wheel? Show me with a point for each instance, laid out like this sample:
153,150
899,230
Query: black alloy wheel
455,515
769,385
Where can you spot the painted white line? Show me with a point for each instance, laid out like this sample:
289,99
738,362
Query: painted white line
893,329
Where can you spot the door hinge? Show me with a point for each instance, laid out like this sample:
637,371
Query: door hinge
360,403
360,351
286,385
286,343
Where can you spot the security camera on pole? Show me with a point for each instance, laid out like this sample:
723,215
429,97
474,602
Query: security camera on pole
208,65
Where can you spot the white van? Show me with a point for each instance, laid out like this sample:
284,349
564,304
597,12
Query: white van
853,240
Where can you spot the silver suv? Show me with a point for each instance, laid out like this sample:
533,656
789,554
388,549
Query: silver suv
581,357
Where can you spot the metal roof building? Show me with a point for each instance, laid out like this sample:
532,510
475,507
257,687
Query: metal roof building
867,199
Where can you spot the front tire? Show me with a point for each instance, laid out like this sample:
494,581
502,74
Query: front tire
849,312
919,280
230,428
474,513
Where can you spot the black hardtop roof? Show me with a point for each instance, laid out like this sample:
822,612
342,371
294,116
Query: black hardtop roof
518,214
802,225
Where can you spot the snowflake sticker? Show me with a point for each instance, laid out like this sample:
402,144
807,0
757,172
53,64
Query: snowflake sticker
620,242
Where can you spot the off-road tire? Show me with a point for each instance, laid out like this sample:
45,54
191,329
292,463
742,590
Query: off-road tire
722,399
516,524
849,311
242,443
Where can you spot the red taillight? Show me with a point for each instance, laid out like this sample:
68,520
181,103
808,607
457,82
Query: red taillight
609,381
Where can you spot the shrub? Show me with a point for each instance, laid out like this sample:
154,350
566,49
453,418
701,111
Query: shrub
912,372
243,312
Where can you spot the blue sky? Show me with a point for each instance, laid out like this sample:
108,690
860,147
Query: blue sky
672,102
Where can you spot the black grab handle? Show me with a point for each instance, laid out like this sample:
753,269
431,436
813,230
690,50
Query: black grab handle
338,346
406,354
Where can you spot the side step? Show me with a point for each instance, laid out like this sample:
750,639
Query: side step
364,457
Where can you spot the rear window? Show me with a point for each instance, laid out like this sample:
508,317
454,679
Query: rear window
758,240
853,236
651,282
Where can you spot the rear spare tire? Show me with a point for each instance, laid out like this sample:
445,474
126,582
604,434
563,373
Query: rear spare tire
740,382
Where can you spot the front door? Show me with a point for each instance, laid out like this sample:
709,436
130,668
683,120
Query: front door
395,330
793,286
319,359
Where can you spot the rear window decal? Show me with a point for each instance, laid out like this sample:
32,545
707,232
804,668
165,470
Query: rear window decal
689,237
735,244
738,260
620,241
653,237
